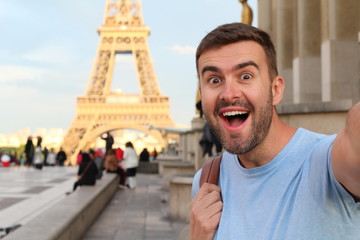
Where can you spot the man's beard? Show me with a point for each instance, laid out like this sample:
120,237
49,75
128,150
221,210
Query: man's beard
260,126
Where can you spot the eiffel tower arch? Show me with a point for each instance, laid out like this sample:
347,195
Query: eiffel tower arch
101,109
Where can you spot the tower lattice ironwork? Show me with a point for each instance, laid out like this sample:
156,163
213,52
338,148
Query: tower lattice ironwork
101,109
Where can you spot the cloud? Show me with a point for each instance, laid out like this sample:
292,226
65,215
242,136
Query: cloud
183,50
51,54
9,92
16,73
65,82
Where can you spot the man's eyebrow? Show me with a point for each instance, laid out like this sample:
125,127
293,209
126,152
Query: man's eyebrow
237,67
210,68
245,64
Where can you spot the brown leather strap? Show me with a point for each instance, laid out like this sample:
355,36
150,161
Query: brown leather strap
210,171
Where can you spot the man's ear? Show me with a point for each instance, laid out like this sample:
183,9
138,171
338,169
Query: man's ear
199,88
278,86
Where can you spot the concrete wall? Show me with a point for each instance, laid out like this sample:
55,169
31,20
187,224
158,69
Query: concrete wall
189,144
180,197
322,117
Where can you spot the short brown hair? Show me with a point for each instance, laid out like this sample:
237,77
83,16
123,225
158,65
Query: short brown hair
237,32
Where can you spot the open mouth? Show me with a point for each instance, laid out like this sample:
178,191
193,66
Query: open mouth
235,118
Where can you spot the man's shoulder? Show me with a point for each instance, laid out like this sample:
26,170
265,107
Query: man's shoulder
307,137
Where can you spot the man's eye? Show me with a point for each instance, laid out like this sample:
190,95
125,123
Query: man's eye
214,80
246,76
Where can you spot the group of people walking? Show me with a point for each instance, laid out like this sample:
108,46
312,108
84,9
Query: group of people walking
38,156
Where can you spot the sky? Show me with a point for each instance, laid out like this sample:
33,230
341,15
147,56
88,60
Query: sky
47,51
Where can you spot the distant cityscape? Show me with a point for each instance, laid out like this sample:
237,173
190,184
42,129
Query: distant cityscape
51,137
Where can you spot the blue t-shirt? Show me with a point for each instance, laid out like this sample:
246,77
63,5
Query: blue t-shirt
295,196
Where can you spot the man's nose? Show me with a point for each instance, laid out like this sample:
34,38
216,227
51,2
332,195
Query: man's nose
231,91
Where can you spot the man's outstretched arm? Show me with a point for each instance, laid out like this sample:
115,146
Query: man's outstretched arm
346,153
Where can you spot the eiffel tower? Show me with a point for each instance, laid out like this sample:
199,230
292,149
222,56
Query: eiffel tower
102,110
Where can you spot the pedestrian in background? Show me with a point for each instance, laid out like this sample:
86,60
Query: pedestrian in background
99,158
38,155
79,157
154,155
112,166
29,151
87,172
208,140
131,162
120,156
144,155
109,141
14,158
61,157
45,153
5,160
51,158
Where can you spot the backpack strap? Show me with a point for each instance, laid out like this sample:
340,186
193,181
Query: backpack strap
210,171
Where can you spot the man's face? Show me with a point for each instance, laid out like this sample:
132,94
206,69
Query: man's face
236,94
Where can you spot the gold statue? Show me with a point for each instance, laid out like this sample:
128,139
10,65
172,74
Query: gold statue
247,14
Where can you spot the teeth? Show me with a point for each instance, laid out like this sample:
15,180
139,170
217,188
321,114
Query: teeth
233,113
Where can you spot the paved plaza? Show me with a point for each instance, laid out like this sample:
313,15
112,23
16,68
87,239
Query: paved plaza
26,192
139,214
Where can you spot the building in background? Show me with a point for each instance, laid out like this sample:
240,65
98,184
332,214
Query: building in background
318,54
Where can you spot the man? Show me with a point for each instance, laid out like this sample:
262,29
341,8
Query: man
144,155
276,181
109,141
61,157
29,151
87,171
